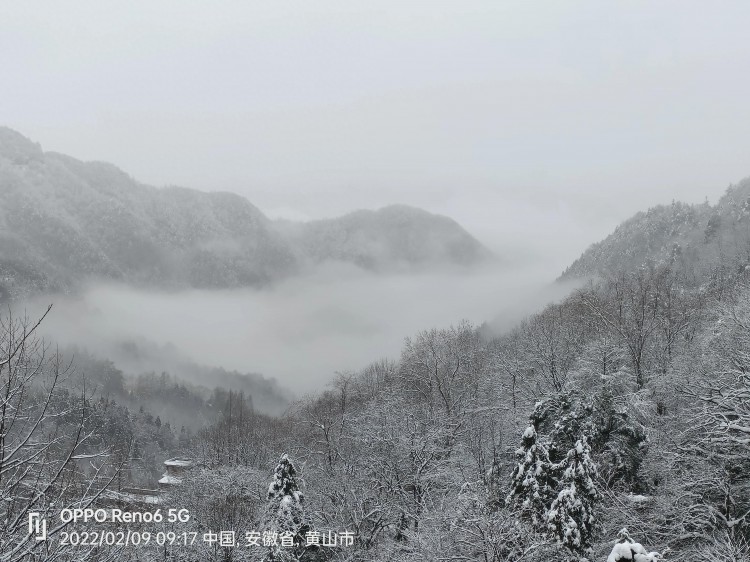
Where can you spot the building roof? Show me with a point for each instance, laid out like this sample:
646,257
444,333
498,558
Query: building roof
133,498
178,461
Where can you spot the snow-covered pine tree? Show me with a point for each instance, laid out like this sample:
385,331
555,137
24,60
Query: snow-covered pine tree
617,440
571,516
285,512
532,481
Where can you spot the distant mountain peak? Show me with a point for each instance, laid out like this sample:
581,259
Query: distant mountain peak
64,221
392,237
18,149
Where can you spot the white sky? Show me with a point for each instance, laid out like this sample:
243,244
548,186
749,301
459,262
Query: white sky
537,125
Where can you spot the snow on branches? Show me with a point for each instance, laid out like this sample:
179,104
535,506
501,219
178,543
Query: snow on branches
571,516
532,484
627,550
285,510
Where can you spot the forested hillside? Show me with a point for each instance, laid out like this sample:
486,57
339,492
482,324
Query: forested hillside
612,425
397,236
626,405
64,222
688,238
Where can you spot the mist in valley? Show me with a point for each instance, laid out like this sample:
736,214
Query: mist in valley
375,282
302,331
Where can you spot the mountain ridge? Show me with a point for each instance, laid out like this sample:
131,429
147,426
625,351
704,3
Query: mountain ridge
688,237
63,220
396,234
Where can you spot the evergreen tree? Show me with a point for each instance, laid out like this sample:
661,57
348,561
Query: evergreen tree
285,513
532,481
617,441
571,515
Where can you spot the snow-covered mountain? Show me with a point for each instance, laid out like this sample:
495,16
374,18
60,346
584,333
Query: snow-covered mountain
397,236
688,238
63,221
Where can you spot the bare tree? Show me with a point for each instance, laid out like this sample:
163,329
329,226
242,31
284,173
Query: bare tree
45,462
628,308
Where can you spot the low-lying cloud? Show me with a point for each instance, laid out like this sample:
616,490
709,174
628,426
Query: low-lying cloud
303,330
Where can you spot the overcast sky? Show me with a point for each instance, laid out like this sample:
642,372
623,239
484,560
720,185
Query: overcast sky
542,123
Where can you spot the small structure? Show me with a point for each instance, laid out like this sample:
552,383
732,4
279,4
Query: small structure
132,496
175,470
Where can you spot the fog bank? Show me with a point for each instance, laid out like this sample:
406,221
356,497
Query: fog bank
303,330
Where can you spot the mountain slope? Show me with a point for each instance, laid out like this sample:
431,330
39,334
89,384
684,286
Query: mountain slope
63,221
396,236
691,237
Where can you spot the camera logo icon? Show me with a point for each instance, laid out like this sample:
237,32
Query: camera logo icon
37,526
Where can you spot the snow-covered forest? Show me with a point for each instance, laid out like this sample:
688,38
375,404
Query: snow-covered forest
612,425
386,281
